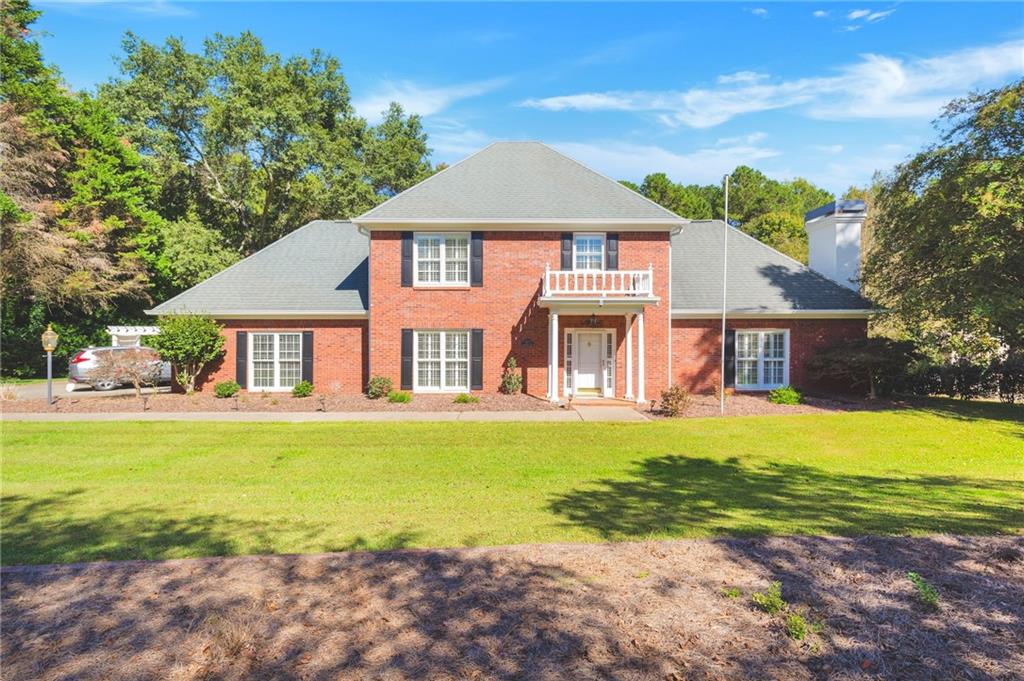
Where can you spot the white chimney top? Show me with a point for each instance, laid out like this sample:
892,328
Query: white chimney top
833,238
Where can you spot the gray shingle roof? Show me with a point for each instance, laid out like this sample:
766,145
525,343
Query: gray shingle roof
519,181
321,267
760,278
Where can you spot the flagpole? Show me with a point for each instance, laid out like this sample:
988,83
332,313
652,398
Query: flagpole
725,283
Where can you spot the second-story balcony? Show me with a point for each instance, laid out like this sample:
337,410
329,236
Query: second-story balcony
598,283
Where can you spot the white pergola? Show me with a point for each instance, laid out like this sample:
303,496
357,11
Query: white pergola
130,335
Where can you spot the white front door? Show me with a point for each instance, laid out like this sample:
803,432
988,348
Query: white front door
588,362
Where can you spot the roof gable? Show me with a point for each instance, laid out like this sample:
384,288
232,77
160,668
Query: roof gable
519,182
760,278
320,268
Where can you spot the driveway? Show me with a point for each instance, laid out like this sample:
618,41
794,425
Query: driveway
37,391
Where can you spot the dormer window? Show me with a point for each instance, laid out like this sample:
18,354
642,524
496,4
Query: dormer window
442,260
588,251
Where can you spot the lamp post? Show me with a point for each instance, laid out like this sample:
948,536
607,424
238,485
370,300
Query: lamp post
49,339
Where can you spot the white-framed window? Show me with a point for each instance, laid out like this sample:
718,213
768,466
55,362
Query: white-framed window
441,361
762,359
588,251
442,259
275,360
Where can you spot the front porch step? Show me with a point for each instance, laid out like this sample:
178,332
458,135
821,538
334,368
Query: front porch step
600,402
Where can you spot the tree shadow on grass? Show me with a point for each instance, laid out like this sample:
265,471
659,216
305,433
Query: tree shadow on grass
678,496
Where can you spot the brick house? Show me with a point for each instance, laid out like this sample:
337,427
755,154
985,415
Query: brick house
518,251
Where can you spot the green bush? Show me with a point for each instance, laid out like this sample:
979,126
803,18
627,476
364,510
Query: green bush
732,592
226,389
771,600
926,593
302,389
189,343
796,626
675,400
399,396
787,394
466,398
1008,375
876,365
378,387
511,379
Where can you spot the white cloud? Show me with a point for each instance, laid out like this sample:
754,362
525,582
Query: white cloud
820,14
830,149
420,99
850,28
759,12
622,160
751,138
877,86
741,77
858,14
451,140
878,16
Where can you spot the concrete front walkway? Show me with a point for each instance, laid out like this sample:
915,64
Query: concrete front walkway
576,415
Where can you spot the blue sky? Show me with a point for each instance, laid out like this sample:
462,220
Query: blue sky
825,90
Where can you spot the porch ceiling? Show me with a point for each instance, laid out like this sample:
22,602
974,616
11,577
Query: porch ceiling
596,304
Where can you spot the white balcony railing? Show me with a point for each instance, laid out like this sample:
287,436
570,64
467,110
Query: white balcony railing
602,283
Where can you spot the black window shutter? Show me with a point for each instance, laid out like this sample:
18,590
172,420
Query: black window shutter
567,251
406,258
611,252
307,356
476,359
476,259
241,357
406,359
730,358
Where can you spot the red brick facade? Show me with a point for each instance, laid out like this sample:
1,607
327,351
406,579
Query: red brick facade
696,347
506,306
339,351
348,352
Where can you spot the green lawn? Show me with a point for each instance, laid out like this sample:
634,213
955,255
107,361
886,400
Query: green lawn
87,491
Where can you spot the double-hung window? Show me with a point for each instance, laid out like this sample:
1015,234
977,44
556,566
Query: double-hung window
442,361
762,359
276,360
588,251
442,260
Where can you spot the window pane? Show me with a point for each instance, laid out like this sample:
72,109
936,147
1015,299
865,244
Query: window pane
589,252
456,345
428,345
456,374
428,248
746,372
429,271
289,346
262,346
429,374
289,373
263,374
746,345
773,372
774,345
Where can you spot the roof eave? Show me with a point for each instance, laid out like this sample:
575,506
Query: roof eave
524,224
747,313
265,314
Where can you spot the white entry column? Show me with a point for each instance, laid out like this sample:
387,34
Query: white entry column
629,356
553,356
640,377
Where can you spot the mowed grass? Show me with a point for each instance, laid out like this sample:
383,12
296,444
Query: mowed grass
119,490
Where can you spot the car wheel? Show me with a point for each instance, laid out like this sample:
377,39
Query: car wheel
104,385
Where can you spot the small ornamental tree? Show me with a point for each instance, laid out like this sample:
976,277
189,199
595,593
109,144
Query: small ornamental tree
137,366
189,344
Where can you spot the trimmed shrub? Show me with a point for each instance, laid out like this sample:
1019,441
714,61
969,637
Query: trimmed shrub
399,396
965,379
511,379
675,400
189,343
378,387
466,398
226,389
787,394
875,365
302,389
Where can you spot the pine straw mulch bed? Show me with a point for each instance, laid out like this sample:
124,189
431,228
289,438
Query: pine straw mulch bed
651,610
753,404
272,402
